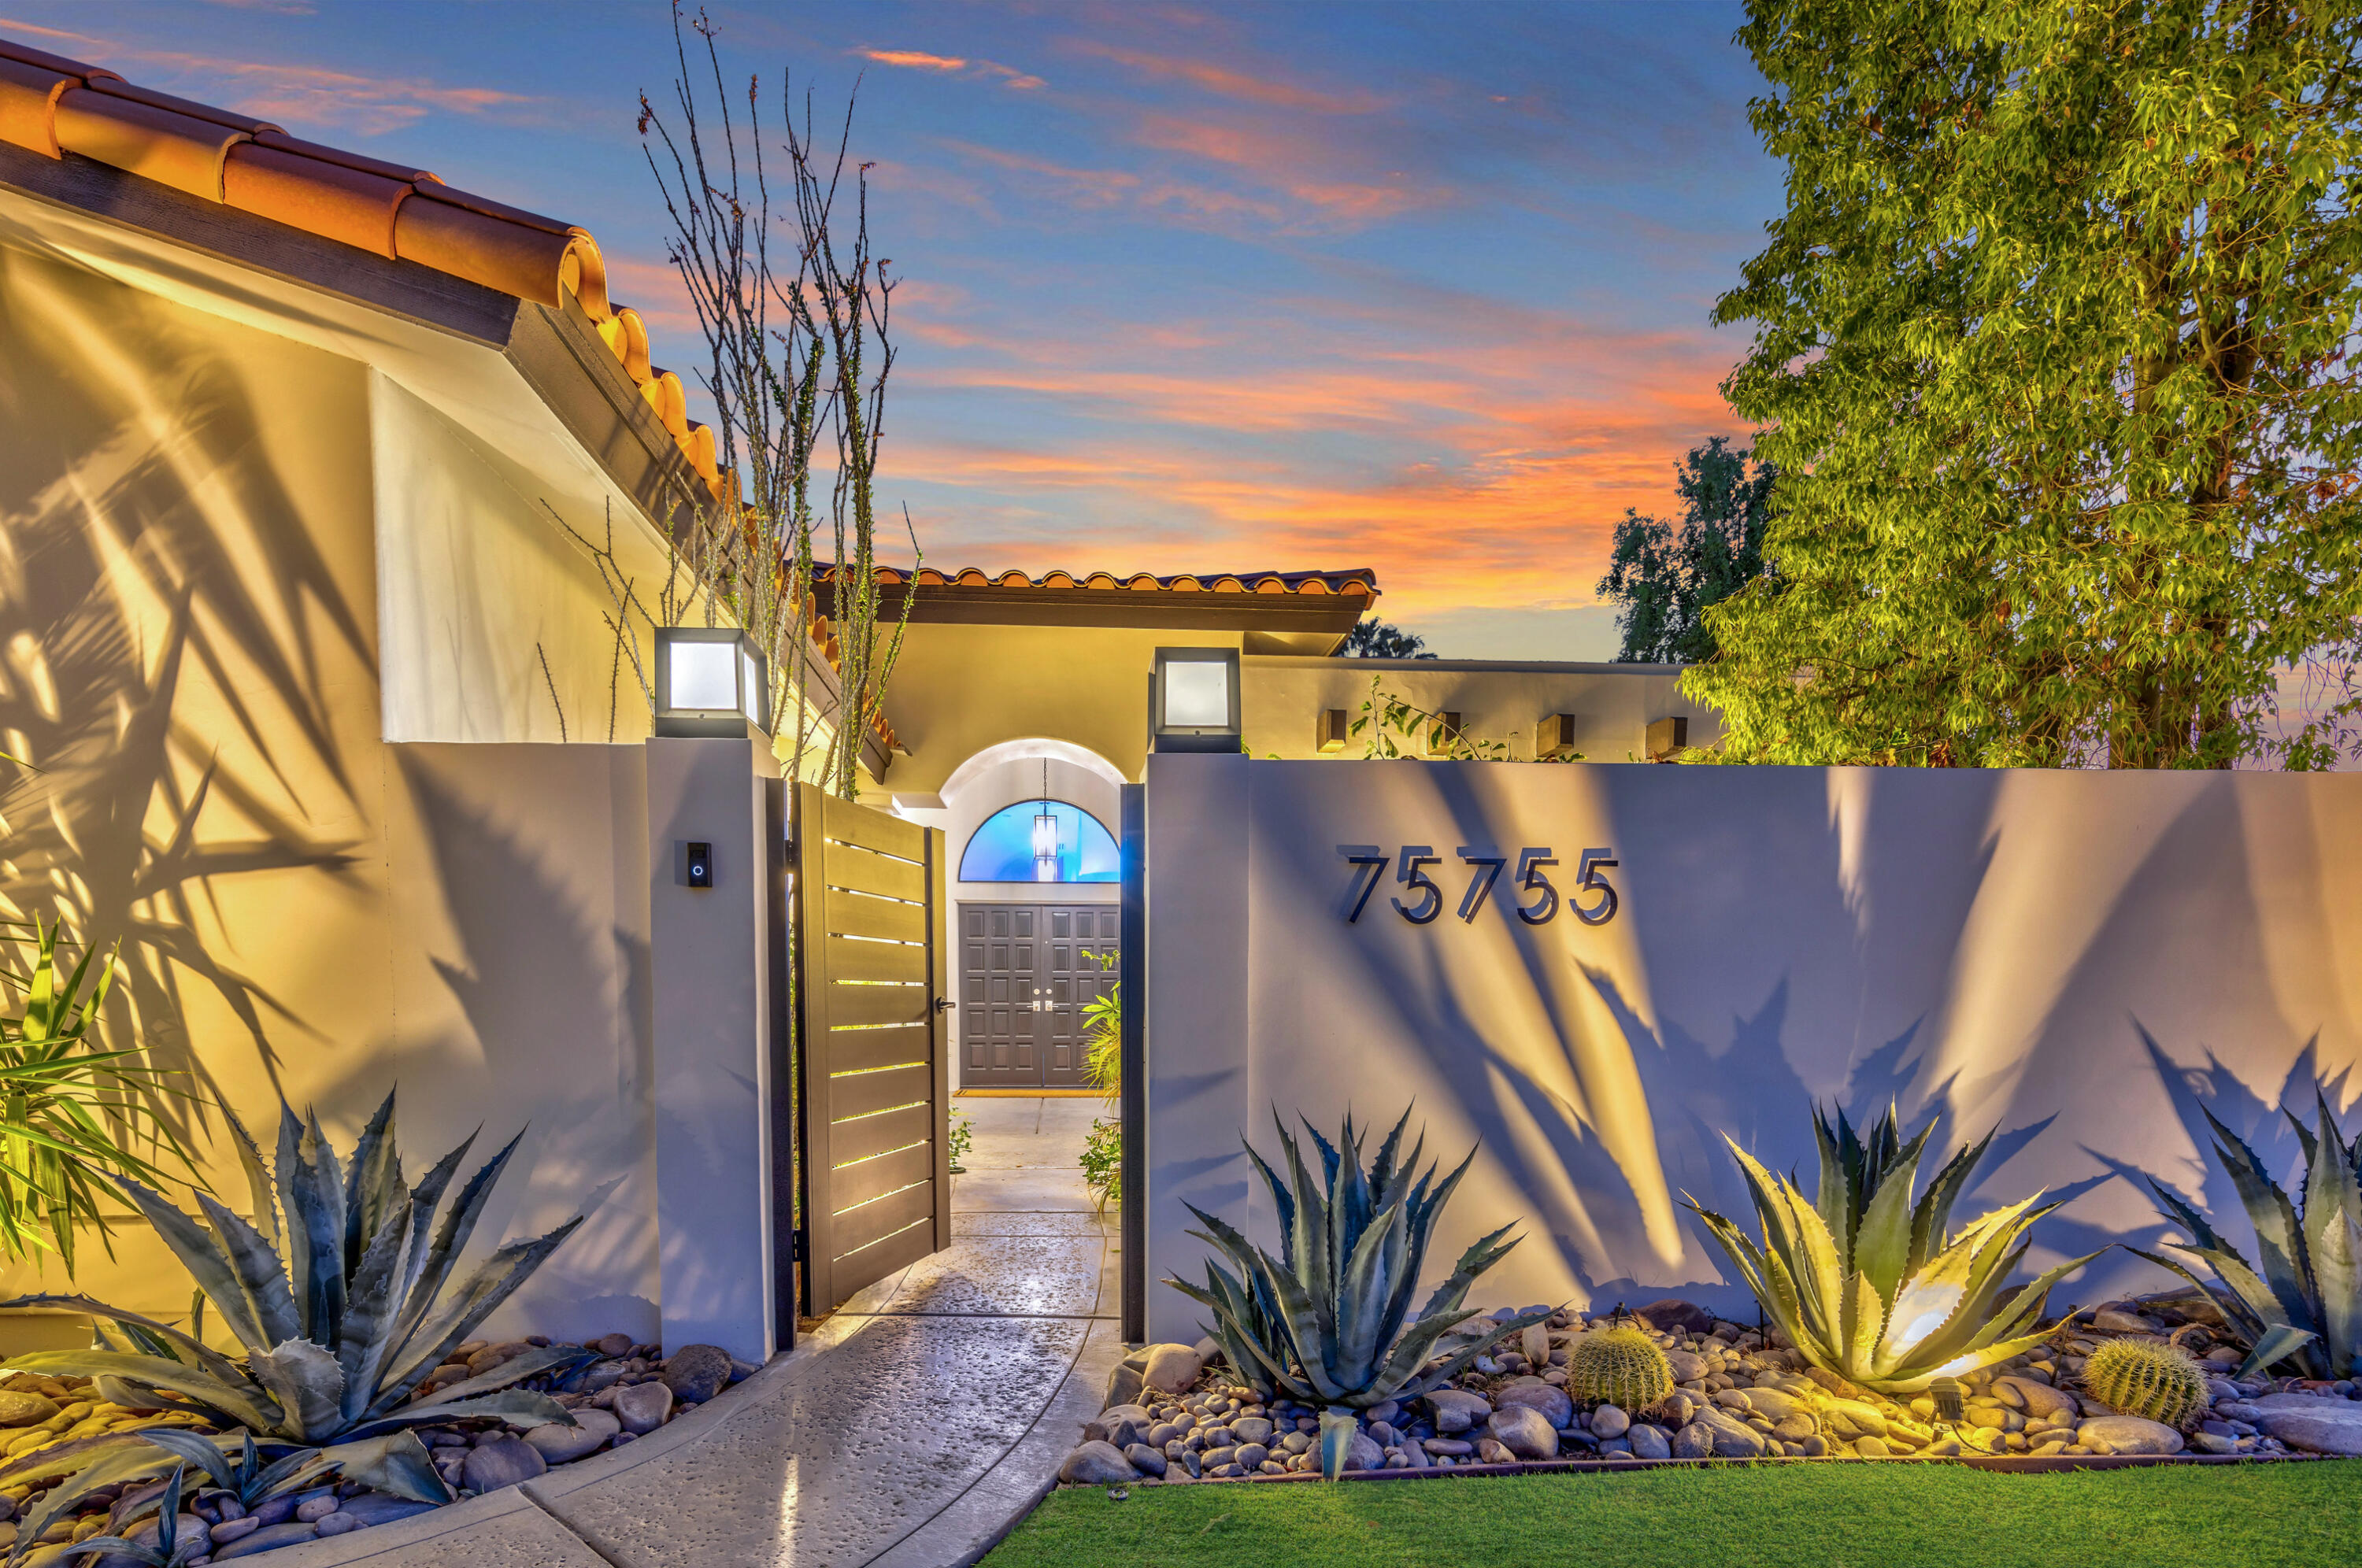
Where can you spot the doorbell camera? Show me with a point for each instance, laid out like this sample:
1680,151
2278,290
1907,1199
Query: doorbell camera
697,865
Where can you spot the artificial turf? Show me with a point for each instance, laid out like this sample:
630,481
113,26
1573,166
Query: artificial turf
1850,1516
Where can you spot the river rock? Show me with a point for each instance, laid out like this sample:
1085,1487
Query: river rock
269,1538
1123,1383
643,1406
1362,1453
2039,1398
1849,1419
25,1410
1097,1464
1524,1431
1550,1404
1675,1316
2128,1434
1733,1439
1694,1441
697,1373
1172,1369
2311,1422
378,1508
503,1461
1777,1403
491,1356
1145,1460
562,1445
1650,1441
1457,1410
1609,1421
1251,1429
1687,1367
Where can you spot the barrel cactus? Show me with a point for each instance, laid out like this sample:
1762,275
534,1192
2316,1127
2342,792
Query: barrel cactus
2146,1378
1620,1366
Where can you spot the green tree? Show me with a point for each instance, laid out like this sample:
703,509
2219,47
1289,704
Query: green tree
1373,638
1665,575
2053,352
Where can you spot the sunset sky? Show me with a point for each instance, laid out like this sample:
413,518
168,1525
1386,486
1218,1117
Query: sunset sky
1188,288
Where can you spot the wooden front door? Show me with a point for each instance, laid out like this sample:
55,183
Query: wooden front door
1027,971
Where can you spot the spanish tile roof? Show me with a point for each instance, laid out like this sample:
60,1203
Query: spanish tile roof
52,105
1360,580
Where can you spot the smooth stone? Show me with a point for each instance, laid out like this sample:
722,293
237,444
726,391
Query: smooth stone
2322,1425
229,1530
697,1373
1523,1432
1687,1367
1097,1464
1793,1429
1869,1447
561,1445
1144,1459
338,1523
2038,1399
25,1410
312,1510
1650,1441
1609,1421
643,1406
615,1347
267,1539
1450,1447
2128,1434
1489,1451
378,1508
1170,1369
1123,1384
1364,1454
1457,1410
1733,1439
1251,1429
1674,1316
503,1461
2220,1390
1550,1404
2110,1322
1777,1403
1849,1419
1250,1455
491,1356
2209,1443
1694,1441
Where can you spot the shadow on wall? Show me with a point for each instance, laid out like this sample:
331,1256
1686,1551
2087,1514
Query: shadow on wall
146,538
1969,945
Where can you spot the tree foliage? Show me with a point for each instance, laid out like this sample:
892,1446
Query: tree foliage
2053,352
1373,638
1663,575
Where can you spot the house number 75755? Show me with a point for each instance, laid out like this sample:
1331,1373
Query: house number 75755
1530,892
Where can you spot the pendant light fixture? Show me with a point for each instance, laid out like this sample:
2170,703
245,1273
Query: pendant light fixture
1045,834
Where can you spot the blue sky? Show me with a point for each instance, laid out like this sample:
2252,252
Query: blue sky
1188,288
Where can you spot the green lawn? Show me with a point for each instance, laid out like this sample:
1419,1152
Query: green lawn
1853,1516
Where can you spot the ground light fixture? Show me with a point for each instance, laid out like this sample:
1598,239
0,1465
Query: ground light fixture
1193,700
711,682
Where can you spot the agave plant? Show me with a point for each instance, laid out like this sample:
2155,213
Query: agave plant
335,1291
171,1548
2305,1306
1871,1285
1327,1321
67,1107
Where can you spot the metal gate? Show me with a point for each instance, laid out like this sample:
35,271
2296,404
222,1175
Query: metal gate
869,924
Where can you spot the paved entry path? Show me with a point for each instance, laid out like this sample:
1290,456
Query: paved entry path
911,1430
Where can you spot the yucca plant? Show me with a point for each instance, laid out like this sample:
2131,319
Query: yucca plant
68,1108
2305,1306
1327,1321
1873,1287
336,1292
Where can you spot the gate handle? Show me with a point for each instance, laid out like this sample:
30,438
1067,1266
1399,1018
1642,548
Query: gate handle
943,1004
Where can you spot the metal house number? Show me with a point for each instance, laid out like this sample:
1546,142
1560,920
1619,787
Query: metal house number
1532,893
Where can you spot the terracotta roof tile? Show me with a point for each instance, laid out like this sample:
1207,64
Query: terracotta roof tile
53,105
1359,581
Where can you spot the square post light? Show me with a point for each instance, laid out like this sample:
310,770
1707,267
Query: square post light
1193,700
711,682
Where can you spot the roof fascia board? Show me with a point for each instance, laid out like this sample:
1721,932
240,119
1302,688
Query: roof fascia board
1469,666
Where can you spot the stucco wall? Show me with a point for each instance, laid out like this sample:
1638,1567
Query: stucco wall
190,653
2079,960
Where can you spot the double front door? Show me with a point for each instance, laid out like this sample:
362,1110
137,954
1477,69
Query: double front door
1027,972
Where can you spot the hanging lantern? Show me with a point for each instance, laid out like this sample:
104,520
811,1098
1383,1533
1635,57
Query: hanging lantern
1045,834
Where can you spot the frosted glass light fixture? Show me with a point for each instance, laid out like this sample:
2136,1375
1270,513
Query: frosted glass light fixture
709,680
1045,835
1193,699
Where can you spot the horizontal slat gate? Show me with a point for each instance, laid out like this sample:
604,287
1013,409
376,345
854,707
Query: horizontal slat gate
869,899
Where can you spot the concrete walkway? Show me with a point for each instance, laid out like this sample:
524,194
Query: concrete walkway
911,1430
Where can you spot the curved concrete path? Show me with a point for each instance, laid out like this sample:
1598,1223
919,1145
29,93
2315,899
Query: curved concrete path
912,1429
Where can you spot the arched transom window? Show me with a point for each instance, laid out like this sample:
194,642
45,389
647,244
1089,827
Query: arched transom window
1040,841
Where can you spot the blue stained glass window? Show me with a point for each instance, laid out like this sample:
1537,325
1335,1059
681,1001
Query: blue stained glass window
1004,848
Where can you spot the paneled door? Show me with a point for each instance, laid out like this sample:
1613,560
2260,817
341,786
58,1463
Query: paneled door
1027,971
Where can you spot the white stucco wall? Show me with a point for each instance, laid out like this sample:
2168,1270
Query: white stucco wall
2078,959
192,652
